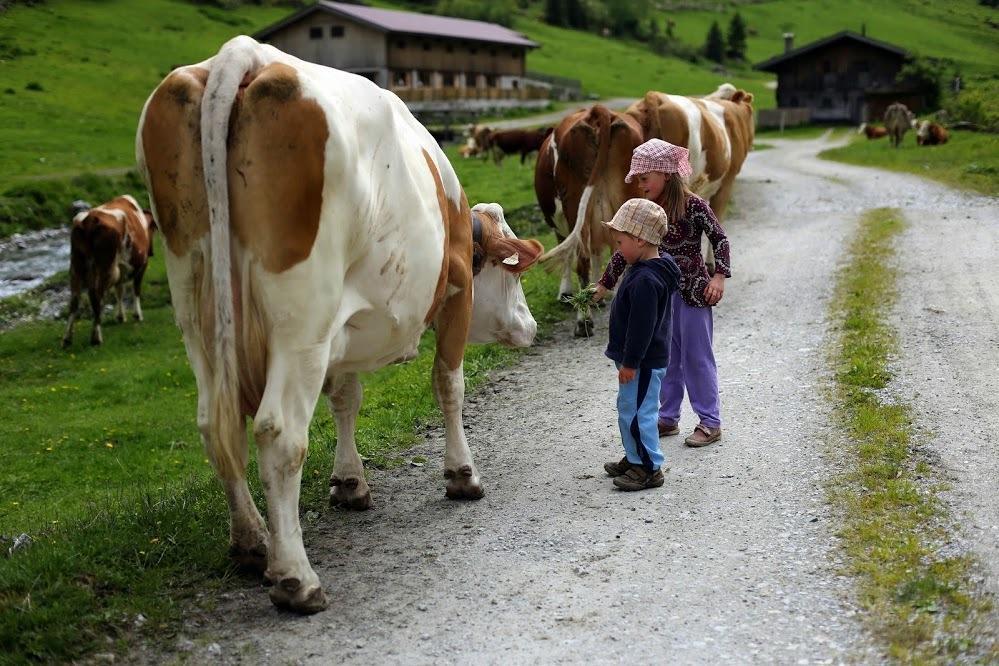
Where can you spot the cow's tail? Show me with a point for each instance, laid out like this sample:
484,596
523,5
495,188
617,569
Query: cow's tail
236,58
580,239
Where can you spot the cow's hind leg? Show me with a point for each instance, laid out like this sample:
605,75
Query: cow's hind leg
247,531
347,485
119,292
588,274
74,309
137,291
96,338
281,428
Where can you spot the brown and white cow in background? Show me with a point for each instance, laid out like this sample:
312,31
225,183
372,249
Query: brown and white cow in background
929,133
109,245
313,231
718,131
579,181
898,120
872,131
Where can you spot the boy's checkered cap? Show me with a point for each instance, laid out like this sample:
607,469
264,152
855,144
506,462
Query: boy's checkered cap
659,155
641,218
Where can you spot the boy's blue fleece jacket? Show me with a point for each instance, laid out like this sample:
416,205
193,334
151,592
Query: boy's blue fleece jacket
640,314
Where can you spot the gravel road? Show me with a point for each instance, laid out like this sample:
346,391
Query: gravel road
734,560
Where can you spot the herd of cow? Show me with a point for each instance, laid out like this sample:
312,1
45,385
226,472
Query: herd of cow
898,120
314,230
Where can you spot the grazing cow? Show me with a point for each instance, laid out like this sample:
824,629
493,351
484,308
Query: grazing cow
579,182
929,133
109,244
478,141
898,120
525,142
872,131
314,229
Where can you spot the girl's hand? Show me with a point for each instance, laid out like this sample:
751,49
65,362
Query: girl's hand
715,289
599,293
625,375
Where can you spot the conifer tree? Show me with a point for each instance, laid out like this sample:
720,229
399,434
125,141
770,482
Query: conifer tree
737,38
714,45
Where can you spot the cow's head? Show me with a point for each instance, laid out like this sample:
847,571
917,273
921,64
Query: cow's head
499,308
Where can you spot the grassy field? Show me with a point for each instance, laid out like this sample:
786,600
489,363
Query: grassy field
920,600
969,160
103,464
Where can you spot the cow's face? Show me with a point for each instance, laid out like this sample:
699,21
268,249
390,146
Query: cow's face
499,308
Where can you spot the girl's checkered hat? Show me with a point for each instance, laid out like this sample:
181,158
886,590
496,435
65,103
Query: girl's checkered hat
659,155
641,218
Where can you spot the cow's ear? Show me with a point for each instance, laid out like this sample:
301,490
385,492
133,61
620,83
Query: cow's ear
516,255
149,220
738,96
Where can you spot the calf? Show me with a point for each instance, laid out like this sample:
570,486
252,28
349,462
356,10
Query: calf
108,245
931,134
872,131
525,142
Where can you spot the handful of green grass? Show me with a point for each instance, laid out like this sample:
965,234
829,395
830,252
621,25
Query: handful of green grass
582,300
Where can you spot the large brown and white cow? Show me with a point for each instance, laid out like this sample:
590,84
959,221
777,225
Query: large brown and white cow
579,182
109,245
314,230
717,129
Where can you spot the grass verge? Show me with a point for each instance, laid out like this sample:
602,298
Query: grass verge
921,601
970,160
103,468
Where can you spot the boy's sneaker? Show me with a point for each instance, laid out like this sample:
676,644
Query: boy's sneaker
617,468
639,478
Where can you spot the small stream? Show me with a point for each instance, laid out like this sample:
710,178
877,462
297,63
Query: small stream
26,260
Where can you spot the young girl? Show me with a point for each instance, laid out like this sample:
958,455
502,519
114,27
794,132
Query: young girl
661,168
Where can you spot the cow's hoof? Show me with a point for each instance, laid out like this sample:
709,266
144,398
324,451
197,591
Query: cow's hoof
584,328
463,483
66,342
350,493
96,340
290,594
120,318
251,560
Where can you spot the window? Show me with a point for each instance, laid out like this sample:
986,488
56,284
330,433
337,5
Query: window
449,48
863,66
401,44
315,32
515,54
826,103
426,46
448,80
492,52
336,31
473,50
826,67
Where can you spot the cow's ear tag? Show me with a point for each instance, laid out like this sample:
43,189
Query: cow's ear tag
513,259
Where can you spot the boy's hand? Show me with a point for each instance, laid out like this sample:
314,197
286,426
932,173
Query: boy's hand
599,293
625,375
715,289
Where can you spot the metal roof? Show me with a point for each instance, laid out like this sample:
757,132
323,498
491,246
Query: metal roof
388,20
771,64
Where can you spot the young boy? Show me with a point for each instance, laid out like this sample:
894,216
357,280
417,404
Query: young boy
640,339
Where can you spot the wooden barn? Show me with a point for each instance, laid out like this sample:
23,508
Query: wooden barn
846,77
421,57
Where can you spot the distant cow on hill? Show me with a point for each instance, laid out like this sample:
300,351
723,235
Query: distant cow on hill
108,245
872,131
898,120
525,142
931,134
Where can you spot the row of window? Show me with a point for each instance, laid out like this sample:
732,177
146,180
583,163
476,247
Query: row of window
316,31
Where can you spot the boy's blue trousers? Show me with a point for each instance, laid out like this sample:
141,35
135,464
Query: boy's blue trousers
637,414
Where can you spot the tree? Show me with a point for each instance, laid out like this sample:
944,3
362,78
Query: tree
576,14
714,45
737,38
555,12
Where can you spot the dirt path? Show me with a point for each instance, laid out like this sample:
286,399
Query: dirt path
735,559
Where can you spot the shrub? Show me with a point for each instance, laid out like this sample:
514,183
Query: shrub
977,104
